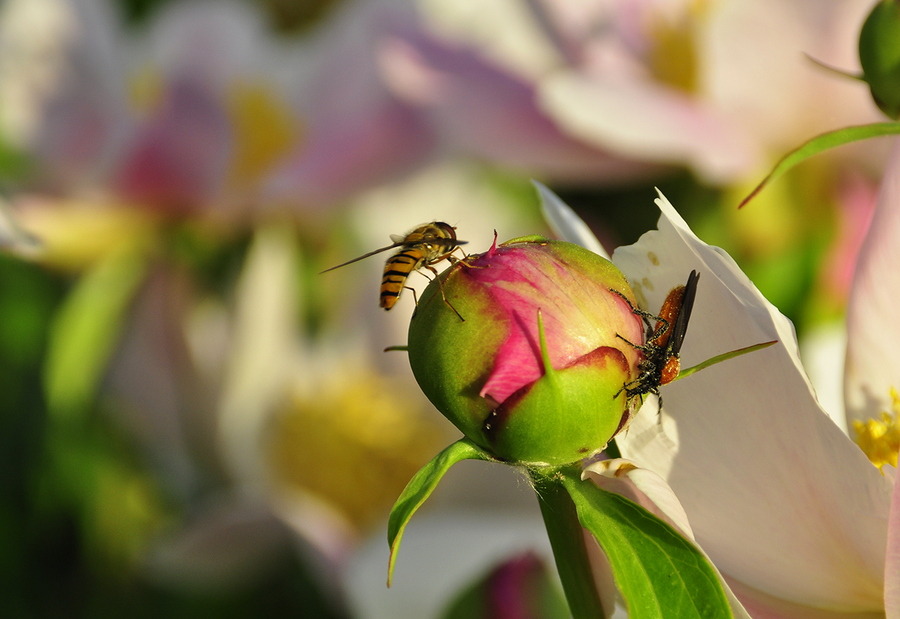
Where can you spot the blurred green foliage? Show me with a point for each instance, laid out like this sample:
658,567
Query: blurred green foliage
287,15
136,11
77,504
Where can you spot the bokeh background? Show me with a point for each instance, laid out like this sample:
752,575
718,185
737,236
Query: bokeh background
194,421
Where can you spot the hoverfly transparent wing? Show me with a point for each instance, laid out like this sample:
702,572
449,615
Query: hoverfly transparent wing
448,242
399,240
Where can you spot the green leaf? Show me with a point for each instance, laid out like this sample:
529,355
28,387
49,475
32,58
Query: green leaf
86,330
658,571
822,143
420,488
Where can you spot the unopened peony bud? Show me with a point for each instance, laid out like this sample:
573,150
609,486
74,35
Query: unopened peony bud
491,375
879,55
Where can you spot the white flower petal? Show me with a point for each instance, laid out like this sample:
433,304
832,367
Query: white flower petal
763,606
14,238
873,365
485,112
892,564
261,353
641,486
651,492
564,223
754,62
777,495
648,122
823,349
522,46
209,41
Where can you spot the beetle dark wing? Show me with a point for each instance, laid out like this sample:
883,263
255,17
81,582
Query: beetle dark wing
679,329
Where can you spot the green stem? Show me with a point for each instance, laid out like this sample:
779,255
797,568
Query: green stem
569,549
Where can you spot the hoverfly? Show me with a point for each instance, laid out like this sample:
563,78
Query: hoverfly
421,248
661,363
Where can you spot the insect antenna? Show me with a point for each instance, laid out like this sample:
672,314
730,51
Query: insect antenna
358,258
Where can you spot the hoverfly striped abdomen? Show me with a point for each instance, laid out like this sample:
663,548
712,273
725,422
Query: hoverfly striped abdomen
423,247
397,269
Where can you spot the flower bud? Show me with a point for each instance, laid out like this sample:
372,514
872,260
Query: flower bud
879,55
535,372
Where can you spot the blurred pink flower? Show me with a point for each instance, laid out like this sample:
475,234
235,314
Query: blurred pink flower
208,111
717,87
482,110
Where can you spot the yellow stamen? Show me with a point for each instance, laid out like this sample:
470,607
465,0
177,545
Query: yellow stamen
880,438
674,58
264,130
355,444
146,89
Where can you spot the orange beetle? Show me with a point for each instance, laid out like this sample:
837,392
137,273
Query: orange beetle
661,363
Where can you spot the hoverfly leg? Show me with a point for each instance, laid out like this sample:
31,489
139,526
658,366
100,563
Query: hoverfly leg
453,259
415,296
464,261
465,257
441,286
420,272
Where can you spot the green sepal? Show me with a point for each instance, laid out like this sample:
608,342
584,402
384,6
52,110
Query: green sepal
86,330
420,488
821,143
725,356
528,238
583,390
879,55
586,391
658,571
